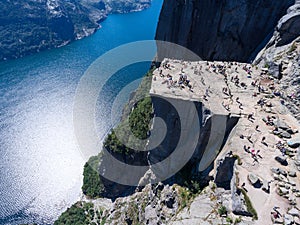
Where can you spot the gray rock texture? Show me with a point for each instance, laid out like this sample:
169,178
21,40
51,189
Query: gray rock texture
232,30
294,142
283,50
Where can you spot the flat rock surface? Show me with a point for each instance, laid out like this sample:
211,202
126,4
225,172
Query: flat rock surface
248,132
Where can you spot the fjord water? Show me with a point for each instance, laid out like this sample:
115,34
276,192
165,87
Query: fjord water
41,166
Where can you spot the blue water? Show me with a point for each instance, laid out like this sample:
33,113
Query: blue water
41,167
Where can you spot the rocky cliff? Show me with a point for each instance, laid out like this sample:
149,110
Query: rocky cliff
231,30
281,57
30,26
223,137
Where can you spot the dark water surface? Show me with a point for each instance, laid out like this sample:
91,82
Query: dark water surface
41,167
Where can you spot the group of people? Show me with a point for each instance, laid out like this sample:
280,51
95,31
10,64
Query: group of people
182,81
275,213
282,148
269,121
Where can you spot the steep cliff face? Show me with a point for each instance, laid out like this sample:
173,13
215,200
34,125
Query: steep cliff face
192,129
231,30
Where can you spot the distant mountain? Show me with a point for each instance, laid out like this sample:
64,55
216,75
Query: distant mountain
30,26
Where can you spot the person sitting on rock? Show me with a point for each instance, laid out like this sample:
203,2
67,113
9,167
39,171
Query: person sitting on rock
250,117
261,102
275,208
180,81
226,106
246,149
243,85
249,139
207,92
257,154
274,216
241,106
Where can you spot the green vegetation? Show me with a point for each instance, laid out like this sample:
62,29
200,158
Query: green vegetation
92,185
238,159
113,144
139,121
237,220
222,210
249,205
185,197
267,65
140,118
229,220
292,48
78,214
133,213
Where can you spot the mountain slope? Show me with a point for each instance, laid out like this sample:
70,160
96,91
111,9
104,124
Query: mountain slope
30,26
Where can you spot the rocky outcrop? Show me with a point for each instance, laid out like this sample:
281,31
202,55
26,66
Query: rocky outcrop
287,29
225,172
281,57
183,126
232,30
30,26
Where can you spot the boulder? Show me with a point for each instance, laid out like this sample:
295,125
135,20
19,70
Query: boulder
294,142
266,186
288,219
282,178
151,215
238,204
276,220
294,212
275,170
292,199
276,132
290,131
282,172
282,125
281,160
292,173
274,70
254,180
276,176
285,134
225,172
283,191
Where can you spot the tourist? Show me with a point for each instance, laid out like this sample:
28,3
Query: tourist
257,128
